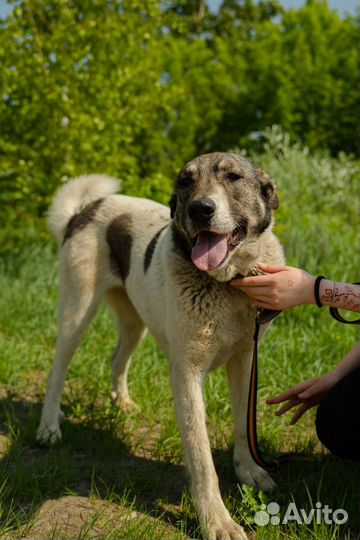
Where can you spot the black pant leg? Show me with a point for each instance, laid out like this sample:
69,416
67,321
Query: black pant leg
338,418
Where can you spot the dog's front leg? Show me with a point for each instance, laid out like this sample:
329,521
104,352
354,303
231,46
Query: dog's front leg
247,471
215,520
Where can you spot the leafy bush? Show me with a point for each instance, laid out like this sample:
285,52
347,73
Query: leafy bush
135,89
319,204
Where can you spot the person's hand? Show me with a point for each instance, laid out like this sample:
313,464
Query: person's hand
280,288
306,395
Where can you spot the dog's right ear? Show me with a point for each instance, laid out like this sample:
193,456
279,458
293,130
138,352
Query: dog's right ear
172,204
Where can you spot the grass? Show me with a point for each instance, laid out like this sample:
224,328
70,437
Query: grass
121,476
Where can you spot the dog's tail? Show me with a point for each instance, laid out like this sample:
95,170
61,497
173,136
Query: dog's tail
74,196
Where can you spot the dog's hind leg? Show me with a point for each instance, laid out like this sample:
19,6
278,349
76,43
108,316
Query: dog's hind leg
131,332
247,471
80,295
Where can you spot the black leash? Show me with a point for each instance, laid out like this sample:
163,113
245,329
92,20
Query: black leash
264,316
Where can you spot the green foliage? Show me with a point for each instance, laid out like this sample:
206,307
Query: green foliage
135,89
318,198
82,92
299,70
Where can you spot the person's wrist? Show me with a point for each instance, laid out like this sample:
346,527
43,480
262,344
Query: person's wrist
309,293
336,374
324,284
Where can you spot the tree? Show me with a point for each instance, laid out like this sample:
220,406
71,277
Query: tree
299,70
136,88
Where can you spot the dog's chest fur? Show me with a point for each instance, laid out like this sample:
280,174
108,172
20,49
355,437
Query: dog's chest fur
220,314
205,299
184,308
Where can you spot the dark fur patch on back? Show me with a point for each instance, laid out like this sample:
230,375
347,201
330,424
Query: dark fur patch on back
151,248
119,238
79,221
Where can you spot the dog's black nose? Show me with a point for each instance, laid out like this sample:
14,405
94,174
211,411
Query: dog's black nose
201,210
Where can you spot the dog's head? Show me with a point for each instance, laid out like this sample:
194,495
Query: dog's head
220,203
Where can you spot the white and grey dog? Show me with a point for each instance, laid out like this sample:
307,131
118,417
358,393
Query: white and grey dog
170,274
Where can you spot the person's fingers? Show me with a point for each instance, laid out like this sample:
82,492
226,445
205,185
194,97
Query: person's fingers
253,281
317,388
291,392
271,269
265,305
289,405
301,410
256,292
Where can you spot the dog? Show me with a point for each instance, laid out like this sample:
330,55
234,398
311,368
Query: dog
169,272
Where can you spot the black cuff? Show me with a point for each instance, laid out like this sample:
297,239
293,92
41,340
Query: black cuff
317,290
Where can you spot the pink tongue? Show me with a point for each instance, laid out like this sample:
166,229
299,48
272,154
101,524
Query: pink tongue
209,251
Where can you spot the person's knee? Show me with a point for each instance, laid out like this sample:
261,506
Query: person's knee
334,432
325,430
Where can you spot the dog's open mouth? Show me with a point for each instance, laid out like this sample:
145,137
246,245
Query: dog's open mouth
211,249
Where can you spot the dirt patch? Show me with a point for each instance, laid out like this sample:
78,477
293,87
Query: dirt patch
74,517
143,437
31,389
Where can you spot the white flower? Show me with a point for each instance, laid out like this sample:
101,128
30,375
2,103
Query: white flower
64,122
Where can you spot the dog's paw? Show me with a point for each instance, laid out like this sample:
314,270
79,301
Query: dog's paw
125,403
216,522
48,435
223,529
255,476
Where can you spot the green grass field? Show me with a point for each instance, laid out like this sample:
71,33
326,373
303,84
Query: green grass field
121,476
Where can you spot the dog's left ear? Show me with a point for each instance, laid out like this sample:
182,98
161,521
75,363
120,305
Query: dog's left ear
172,204
268,188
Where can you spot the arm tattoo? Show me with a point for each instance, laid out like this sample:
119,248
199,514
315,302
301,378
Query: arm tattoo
342,296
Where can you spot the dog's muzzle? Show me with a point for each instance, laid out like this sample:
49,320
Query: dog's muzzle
201,211
210,248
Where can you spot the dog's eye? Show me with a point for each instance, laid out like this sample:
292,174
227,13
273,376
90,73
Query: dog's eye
185,181
233,176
